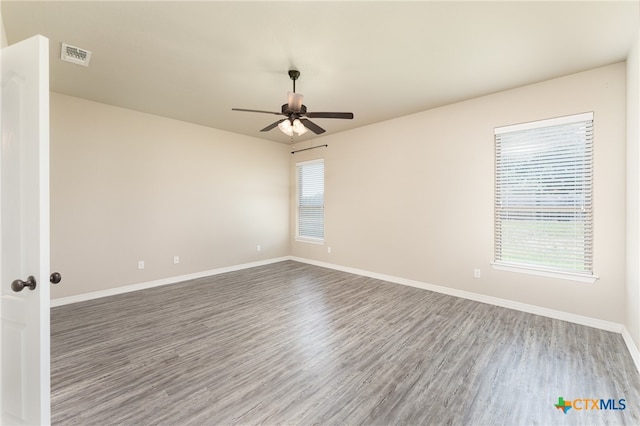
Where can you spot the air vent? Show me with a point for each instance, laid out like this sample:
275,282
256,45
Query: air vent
75,55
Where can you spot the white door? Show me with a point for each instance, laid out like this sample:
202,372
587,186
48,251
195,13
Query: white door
24,231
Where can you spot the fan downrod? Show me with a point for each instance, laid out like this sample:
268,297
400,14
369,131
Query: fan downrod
293,75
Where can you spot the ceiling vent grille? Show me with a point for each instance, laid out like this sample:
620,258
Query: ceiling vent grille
75,55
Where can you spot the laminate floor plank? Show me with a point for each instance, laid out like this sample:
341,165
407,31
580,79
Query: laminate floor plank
290,343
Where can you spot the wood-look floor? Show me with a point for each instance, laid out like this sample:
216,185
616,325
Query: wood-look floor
291,343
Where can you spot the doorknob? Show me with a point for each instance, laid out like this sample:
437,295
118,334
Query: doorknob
55,278
19,285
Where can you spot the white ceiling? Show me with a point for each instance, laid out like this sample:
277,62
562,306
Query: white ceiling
194,61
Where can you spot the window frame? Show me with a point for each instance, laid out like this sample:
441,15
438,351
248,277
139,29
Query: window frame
540,268
298,236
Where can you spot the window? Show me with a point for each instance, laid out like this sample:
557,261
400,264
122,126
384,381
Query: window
543,195
310,178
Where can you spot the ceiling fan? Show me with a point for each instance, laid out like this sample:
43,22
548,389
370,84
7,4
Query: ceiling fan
297,117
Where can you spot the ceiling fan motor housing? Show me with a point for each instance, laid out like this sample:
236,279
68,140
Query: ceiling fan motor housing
287,111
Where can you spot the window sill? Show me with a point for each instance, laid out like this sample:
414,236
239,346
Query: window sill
546,273
309,240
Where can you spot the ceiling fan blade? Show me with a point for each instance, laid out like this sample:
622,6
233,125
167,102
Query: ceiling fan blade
345,115
272,125
312,126
295,101
256,110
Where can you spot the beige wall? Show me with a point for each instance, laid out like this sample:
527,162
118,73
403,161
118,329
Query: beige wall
413,197
632,296
127,186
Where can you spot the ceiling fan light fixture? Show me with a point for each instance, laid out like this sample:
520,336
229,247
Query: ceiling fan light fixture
286,127
298,127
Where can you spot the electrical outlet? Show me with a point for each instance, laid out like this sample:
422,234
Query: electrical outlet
328,249
141,264
176,259
258,248
476,273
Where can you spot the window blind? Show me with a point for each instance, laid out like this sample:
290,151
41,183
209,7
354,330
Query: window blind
543,194
310,194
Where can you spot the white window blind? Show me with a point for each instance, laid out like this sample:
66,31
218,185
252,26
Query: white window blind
310,189
543,195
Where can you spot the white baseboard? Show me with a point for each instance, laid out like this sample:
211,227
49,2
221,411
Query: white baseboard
504,303
633,349
157,283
